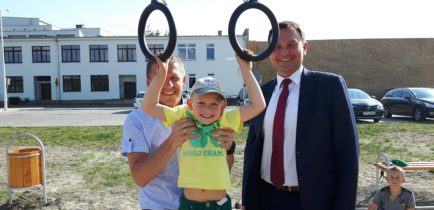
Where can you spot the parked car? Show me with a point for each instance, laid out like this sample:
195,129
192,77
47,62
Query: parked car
243,97
186,94
138,100
242,102
417,102
365,106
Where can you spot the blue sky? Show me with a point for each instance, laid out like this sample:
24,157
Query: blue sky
321,19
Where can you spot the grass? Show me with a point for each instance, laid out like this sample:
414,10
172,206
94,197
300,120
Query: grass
102,170
374,130
398,140
102,166
98,136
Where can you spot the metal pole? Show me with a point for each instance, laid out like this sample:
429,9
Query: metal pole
5,86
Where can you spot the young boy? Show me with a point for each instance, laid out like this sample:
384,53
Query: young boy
203,171
394,196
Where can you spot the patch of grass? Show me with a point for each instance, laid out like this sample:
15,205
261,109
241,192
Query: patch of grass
241,136
373,130
103,170
385,137
98,136
369,151
3,194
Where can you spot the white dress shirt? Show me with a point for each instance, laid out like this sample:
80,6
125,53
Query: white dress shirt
290,129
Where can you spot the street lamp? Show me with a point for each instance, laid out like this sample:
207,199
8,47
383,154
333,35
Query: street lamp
5,86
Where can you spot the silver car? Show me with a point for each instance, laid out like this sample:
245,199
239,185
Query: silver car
138,100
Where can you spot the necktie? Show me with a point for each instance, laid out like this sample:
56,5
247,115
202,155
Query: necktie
277,169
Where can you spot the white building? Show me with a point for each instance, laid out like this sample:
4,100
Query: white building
46,63
19,27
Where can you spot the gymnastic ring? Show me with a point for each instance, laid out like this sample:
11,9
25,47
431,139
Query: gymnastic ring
233,21
155,5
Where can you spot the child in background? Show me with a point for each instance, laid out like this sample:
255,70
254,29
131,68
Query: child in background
394,196
203,171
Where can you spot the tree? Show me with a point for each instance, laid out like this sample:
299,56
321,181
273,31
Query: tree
150,32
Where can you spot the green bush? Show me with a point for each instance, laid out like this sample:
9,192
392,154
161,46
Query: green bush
14,100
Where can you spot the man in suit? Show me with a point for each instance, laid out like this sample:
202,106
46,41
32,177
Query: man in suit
302,152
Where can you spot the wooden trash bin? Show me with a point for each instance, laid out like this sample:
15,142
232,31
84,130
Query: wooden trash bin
24,167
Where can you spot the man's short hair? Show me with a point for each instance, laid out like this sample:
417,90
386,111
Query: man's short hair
290,25
172,60
395,169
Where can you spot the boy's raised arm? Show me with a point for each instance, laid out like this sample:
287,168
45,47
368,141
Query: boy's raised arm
150,102
256,99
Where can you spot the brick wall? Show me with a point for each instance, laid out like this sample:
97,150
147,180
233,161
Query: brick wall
374,65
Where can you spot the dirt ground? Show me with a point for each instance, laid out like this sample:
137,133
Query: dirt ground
66,189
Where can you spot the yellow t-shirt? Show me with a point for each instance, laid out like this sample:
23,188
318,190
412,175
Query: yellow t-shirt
202,163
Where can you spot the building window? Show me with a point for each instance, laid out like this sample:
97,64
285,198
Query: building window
98,53
71,83
127,53
99,82
156,48
15,85
191,80
210,51
70,53
13,55
41,54
187,51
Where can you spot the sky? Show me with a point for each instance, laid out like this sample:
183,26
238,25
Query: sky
320,19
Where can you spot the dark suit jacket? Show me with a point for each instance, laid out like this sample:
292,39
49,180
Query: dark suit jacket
327,149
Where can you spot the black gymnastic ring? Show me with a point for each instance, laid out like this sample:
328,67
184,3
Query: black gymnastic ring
155,5
233,21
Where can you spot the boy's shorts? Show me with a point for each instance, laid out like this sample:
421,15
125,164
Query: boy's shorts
186,204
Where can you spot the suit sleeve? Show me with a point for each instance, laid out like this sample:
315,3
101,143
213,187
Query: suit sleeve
247,176
346,147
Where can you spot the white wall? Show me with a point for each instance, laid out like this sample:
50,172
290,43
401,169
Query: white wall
227,71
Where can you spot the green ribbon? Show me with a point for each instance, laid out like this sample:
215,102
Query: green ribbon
205,132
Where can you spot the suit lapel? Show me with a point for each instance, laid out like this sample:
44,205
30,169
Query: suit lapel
307,88
267,90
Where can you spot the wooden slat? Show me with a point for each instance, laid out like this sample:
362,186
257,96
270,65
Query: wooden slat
27,172
15,172
412,166
429,163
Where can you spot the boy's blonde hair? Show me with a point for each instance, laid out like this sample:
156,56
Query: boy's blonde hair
397,169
